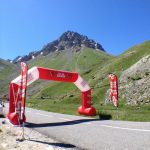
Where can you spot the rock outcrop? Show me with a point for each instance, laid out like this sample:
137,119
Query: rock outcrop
135,83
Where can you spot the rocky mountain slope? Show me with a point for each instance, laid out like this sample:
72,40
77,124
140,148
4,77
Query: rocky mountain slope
68,40
135,82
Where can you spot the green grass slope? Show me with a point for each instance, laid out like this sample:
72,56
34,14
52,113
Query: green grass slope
94,67
69,61
6,70
117,66
85,62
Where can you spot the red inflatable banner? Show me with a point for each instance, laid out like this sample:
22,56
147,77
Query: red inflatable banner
113,95
24,70
17,96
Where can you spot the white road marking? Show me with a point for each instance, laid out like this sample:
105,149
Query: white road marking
87,123
108,126
122,128
65,119
44,115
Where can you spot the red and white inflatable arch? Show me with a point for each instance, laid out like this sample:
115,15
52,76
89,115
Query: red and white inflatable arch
113,95
16,113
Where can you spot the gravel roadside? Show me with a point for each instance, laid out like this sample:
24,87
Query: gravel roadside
11,139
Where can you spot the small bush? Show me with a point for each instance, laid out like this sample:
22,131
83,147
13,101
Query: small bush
147,73
136,77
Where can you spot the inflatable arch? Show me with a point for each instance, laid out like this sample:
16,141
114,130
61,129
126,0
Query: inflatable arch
16,114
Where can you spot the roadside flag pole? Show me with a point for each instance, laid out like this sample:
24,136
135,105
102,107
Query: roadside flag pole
24,70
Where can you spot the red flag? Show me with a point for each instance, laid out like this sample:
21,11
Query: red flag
113,89
24,70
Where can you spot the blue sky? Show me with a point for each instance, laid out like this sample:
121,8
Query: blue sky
27,25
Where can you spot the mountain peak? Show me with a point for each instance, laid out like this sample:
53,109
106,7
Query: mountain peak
68,40
71,36
76,39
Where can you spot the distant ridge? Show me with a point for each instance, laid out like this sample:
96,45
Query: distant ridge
68,40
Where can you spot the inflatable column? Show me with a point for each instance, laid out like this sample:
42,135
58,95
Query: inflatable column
85,108
17,95
113,89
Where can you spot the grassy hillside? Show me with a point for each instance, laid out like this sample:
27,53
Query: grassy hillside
85,62
94,67
6,70
69,61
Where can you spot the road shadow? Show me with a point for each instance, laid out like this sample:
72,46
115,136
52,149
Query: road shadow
2,116
105,116
73,122
62,145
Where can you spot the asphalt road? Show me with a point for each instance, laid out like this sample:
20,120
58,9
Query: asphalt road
88,133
